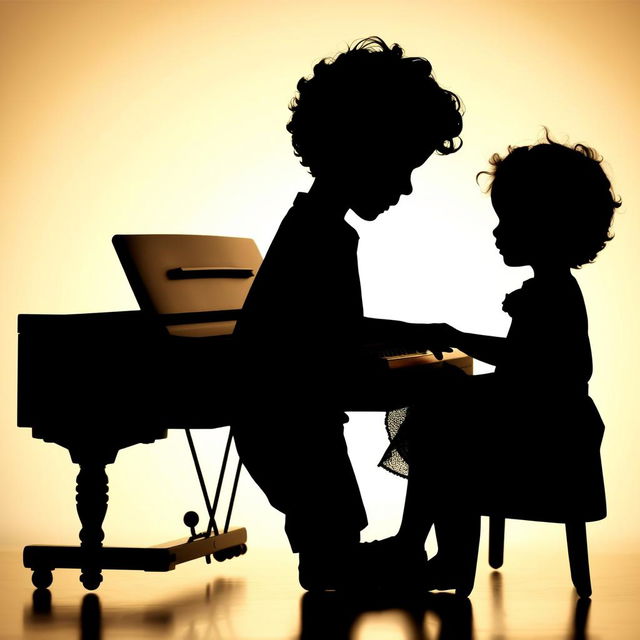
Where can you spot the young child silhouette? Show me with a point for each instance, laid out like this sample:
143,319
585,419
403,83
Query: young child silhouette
362,124
523,441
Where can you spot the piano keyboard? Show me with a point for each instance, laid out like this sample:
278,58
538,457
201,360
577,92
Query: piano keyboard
397,358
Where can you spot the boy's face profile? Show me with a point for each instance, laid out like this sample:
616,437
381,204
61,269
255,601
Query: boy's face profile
374,184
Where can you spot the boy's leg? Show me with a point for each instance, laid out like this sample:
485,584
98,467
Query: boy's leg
305,472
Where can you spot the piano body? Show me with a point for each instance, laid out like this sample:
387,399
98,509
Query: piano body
97,383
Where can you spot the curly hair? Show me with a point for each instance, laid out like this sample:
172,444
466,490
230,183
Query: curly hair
570,184
371,98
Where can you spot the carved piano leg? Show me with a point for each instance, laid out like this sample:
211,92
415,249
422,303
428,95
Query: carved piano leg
91,499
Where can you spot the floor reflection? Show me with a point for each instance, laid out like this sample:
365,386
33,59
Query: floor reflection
497,605
208,614
90,618
580,619
203,613
338,617
579,615
258,598
442,616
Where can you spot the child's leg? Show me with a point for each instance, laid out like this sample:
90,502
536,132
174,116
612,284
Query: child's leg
426,435
417,516
441,449
458,535
457,531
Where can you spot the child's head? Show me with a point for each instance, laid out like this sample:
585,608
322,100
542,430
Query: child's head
554,202
370,116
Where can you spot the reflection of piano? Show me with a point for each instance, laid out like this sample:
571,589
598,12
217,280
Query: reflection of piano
96,383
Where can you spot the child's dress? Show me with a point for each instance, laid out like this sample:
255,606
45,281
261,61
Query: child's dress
523,441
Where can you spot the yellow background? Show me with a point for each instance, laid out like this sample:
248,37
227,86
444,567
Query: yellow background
168,117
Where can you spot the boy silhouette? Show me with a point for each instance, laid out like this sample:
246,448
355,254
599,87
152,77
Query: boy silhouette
361,124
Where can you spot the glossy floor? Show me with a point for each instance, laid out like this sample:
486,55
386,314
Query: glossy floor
257,597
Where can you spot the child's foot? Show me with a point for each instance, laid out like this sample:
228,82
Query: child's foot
442,577
396,565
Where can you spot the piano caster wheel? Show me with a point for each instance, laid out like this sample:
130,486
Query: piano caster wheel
41,578
91,578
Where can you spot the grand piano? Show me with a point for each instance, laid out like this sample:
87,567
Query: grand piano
97,383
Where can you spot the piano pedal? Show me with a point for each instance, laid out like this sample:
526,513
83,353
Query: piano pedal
230,552
191,519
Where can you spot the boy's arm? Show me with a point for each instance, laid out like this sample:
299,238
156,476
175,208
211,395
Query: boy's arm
420,337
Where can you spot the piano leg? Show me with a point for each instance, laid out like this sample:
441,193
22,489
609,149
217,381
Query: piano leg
91,557
91,503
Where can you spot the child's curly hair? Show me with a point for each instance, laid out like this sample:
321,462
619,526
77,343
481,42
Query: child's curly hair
570,184
365,99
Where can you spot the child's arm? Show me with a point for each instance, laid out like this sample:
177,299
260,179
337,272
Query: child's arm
435,337
489,349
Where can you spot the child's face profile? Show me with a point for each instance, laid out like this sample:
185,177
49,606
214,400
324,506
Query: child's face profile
517,234
377,183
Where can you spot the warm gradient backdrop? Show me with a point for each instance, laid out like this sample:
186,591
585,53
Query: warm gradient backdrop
168,117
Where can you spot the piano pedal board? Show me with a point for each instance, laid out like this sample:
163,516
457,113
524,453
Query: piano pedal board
44,559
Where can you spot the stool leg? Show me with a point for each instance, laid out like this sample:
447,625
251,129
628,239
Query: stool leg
496,541
579,557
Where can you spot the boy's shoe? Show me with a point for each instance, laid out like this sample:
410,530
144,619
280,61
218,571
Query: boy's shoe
351,568
328,570
385,565
318,572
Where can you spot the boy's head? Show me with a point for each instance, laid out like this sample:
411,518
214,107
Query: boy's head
554,202
369,117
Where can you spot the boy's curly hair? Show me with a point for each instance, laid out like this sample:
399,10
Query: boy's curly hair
371,98
570,184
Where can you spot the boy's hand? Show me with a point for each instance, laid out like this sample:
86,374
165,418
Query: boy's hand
437,338
440,338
